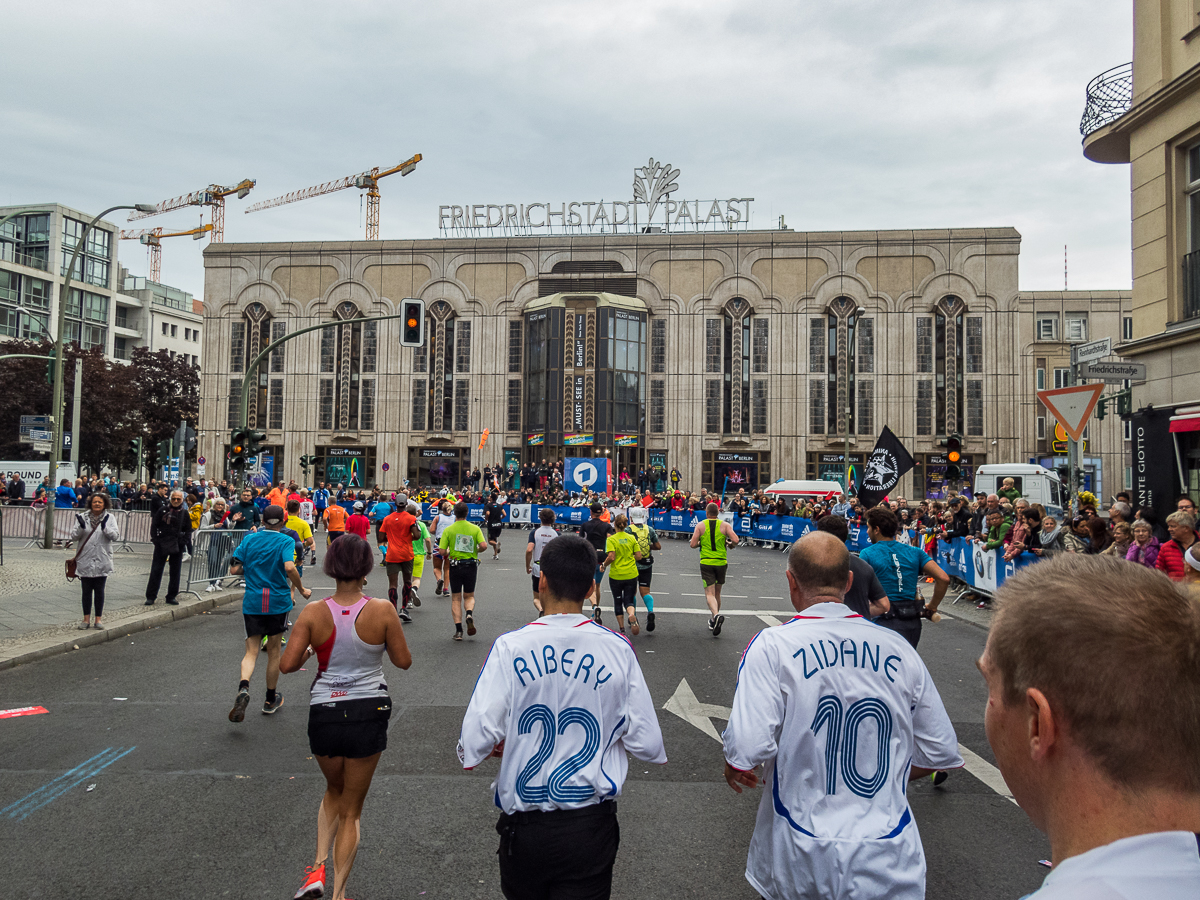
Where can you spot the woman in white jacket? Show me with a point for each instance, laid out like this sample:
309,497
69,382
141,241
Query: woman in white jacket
94,560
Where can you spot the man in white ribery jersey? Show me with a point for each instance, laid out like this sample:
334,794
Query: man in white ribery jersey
841,714
563,702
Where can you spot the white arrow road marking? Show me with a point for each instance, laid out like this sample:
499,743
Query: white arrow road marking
770,620
985,772
684,704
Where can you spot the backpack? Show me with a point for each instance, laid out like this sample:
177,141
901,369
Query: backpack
642,533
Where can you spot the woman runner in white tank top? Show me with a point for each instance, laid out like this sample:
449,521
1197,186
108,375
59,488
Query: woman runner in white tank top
349,706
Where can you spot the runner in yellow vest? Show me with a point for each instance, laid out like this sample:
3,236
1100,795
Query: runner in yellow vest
712,536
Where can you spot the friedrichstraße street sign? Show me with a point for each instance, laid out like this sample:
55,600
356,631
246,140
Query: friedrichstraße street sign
1097,349
1115,372
1072,406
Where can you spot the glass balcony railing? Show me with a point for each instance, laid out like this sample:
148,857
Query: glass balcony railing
1109,96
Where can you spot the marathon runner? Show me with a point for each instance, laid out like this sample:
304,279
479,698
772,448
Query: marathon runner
493,514
621,559
335,523
461,544
713,536
266,560
538,539
558,825
596,530
349,706
400,530
443,518
421,549
320,501
648,542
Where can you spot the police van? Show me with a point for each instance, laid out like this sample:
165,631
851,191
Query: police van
1037,484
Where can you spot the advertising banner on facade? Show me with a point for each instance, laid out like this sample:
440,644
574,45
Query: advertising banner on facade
584,474
1155,480
535,440
578,440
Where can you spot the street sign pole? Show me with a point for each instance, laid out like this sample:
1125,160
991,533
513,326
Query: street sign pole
1072,444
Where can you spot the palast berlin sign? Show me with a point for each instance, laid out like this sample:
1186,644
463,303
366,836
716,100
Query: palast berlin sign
653,185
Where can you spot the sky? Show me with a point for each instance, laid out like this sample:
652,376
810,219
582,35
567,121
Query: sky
836,114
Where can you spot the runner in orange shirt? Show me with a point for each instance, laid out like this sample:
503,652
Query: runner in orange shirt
335,522
398,531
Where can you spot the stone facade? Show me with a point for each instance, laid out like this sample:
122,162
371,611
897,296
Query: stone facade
754,347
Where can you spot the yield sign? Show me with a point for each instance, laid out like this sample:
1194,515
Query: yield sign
1072,406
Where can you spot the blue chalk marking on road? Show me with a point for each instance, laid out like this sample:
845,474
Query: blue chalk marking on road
55,788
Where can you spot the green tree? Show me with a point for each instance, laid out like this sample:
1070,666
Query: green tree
168,390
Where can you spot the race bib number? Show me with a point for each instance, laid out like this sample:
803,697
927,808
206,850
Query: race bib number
464,543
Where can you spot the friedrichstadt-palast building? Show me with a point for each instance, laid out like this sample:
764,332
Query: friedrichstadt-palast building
656,331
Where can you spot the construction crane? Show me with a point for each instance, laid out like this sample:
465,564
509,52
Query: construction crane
367,181
151,237
214,195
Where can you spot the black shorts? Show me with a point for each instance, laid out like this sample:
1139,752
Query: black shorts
334,535
537,583
711,575
644,575
494,532
401,568
353,728
462,576
257,626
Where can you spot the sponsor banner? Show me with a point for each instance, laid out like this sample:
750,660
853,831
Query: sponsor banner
520,513
586,474
626,440
535,440
578,440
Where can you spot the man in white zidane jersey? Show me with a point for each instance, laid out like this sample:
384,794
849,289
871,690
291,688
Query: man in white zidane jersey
563,702
841,714
538,539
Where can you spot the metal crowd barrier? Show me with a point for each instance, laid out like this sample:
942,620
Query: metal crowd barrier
28,523
212,551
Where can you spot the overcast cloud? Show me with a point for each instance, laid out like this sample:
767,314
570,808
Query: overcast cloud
836,114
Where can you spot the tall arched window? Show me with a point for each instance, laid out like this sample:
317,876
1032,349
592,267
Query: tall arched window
248,336
348,353
735,348
443,403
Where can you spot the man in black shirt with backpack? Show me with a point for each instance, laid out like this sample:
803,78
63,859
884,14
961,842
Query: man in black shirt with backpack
597,532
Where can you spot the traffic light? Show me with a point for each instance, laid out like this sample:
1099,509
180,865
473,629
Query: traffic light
412,326
237,449
50,367
1102,408
164,451
254,441
954,457
135,447
1125,402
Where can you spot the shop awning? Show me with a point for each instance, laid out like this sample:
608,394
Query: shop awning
1188,422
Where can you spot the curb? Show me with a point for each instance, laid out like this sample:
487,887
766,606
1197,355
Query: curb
144,621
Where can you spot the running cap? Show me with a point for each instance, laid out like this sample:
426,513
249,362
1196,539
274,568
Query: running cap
358,504
637,514
274,515
1190,556
597,508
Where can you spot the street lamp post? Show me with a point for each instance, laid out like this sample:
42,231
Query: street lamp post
57,403
846,456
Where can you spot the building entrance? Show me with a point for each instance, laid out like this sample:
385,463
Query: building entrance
439,467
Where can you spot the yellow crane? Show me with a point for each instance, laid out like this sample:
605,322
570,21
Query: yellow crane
367,181
212,196
151,237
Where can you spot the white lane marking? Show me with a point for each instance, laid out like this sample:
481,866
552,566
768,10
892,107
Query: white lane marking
985,772
782,614
749,576
693,595
770,620
684,704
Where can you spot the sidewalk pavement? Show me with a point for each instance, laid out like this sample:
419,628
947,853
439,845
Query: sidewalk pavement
40,609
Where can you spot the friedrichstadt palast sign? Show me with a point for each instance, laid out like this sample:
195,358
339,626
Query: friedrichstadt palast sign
653,185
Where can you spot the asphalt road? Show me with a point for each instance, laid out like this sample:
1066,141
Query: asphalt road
186,804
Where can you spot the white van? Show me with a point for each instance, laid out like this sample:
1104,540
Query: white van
820,490
1037,484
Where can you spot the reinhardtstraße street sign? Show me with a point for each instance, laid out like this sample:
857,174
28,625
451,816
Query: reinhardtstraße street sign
1098,349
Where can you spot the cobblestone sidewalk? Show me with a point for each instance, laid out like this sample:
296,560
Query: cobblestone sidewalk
37,601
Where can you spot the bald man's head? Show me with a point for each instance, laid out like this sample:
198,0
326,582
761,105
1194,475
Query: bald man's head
820,564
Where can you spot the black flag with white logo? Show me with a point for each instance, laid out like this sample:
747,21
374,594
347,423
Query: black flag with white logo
885,467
